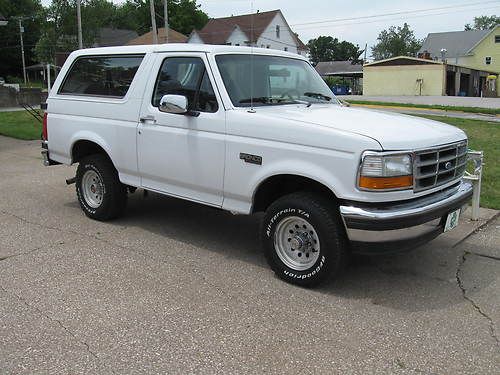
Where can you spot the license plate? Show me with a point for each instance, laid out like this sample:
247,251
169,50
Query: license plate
452,220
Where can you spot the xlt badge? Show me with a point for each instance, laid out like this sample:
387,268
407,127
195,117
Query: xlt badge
249,158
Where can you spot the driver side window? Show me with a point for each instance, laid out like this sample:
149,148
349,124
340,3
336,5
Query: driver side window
186,76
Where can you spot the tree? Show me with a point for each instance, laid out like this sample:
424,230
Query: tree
184,15
31,12
396,41
327,48
60,30
484,23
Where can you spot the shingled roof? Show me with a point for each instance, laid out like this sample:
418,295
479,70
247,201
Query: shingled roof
109,37
173,37
327,68
218,30
456,43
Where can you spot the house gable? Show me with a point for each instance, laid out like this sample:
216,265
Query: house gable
269,36
194,37
258,29
238,37
456,43
485,55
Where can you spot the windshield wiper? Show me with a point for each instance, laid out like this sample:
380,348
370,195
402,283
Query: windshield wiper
296,101
318,95
260,99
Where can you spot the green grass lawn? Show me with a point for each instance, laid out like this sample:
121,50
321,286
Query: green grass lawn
483,135
490,111
20,125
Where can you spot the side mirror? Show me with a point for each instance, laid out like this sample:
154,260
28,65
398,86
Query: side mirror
174,104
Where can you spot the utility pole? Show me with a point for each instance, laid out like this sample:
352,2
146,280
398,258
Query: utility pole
21,31
165,16
79,20
48,78
153,21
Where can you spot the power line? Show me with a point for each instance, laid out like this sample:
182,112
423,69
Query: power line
394,18
396,13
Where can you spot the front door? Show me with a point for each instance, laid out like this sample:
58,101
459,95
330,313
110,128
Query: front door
179,154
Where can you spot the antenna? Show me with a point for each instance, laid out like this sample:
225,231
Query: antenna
252,110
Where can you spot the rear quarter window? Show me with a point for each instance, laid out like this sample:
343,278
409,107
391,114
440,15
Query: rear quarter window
106,76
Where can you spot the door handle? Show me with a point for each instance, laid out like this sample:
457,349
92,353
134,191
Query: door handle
147,118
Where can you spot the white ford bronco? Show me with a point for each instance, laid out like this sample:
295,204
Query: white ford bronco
253,130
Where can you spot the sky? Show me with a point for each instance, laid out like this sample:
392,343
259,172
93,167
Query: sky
452,15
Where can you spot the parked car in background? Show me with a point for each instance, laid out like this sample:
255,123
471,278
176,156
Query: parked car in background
254,130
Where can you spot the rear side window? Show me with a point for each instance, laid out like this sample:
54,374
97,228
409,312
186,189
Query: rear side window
108,76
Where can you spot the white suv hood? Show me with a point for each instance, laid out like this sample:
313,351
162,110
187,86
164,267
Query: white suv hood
393,131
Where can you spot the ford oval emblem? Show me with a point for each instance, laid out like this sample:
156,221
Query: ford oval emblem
448,165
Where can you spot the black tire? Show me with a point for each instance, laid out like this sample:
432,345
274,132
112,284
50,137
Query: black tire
324,218
114,197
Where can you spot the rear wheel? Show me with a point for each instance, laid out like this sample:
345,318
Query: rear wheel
100,193
303,239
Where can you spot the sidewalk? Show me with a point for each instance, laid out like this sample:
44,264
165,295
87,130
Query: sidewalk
428,111
457,101
15,109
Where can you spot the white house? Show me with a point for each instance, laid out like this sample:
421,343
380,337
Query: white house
261,29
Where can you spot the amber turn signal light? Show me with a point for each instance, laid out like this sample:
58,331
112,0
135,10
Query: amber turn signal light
381,183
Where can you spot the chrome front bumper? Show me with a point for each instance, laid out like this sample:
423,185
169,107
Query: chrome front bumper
395,226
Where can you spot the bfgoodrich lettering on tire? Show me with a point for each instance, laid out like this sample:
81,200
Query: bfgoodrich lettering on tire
303,239
100,193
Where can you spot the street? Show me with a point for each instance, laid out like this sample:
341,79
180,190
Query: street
175,287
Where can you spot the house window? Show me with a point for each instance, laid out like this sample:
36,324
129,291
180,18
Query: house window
278,31
487,60
286,48
497,38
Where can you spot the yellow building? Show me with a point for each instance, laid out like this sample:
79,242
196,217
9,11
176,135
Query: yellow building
476,49
485,54
410,76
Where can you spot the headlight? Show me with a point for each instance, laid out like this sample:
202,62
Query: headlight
385,172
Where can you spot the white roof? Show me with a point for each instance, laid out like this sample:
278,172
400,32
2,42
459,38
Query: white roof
183,47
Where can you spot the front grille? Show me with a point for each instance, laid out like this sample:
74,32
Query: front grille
439,165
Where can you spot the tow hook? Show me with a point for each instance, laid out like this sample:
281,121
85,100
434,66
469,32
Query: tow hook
70,181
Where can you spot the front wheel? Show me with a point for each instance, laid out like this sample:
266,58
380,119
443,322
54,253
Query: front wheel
303,239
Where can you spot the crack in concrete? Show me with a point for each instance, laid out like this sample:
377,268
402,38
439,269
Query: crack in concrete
484,255
478,229
66,329
21,253
476,307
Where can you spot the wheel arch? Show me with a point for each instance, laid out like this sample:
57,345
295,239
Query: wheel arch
85,146
275,186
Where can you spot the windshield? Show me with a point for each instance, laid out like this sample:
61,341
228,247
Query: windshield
271,80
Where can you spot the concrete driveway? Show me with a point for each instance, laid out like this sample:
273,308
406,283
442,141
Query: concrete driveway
178,288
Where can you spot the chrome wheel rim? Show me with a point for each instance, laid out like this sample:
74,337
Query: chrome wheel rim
92,188
296,243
